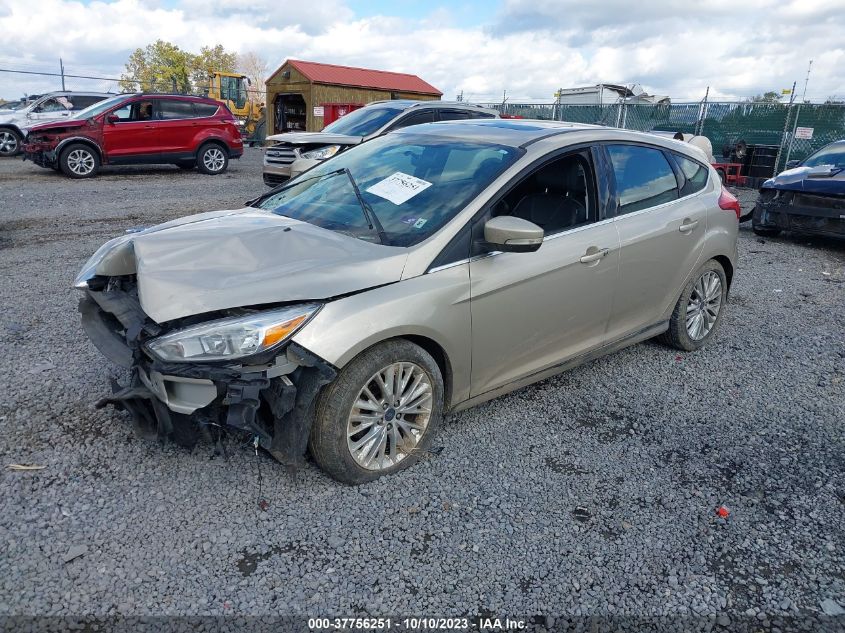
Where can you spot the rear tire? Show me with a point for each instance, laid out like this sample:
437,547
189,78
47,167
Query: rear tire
79,161
212,159
396,432
10,142
764,232
703,296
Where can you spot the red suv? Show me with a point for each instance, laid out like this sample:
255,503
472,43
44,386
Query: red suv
139,129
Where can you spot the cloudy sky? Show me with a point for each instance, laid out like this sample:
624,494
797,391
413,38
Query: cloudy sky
527,47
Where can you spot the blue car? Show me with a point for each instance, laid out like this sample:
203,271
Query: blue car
809,197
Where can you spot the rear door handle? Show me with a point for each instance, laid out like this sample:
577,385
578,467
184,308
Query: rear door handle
688,225
594,256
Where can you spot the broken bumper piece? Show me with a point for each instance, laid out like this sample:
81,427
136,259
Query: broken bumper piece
272,401
800,212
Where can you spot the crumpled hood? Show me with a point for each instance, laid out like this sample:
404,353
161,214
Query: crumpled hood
308,138
60,124
799,179
230,259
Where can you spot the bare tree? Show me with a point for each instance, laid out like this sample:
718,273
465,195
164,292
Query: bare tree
254,66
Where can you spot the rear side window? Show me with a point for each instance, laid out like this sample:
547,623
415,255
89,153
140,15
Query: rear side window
205,109
426,116
644,177
454,115
695,174
80,102
176,109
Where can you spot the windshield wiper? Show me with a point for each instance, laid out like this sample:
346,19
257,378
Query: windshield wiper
369,215
285,186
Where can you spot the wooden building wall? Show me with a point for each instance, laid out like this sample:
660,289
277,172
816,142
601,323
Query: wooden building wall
318,94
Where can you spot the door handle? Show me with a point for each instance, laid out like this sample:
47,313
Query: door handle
687,225
149,127
591,257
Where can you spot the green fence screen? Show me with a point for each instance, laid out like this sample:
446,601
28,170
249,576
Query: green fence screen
723,123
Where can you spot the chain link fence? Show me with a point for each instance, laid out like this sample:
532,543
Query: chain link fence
724,123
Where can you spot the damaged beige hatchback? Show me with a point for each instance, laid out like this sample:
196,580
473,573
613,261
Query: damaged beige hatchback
423,272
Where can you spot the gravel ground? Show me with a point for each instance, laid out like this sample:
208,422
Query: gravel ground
592,493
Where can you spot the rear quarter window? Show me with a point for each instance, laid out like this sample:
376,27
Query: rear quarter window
205,109
695,174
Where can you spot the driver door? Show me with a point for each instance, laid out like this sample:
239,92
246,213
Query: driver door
135,136
533,311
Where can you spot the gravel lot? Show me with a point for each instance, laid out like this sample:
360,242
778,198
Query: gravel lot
592,493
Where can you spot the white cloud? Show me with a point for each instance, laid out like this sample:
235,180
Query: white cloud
528,47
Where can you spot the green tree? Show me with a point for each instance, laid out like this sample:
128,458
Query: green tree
163,66
766,97
209,60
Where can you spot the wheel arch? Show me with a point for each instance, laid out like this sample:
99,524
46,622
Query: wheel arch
441,358
13,127
727,266
81,140
427,343
211,140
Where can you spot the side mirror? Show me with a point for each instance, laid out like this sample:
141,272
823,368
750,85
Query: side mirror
792,164
513,235
113,118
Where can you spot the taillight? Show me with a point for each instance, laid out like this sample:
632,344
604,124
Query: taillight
729,202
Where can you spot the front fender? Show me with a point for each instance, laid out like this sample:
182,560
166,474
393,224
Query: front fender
435,306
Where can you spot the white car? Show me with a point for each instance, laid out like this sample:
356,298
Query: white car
14,124
292,153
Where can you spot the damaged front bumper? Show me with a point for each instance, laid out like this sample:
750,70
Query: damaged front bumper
40,153
271,400
800,212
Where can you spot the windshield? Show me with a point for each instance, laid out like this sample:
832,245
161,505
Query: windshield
100,107
830,155
364,121
412,184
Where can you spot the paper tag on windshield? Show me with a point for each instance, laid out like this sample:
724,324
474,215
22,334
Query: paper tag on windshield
399,187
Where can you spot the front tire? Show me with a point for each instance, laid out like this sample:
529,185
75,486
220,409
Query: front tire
212,159
698,312
10,142
79,161
379,414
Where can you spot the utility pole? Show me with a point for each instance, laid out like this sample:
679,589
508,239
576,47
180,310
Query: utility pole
504,98
798,112
62,72
699,125
785,129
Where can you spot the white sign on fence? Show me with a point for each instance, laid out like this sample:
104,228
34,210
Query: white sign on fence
804,132
318,110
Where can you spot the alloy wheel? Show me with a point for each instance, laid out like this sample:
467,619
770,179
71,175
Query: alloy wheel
390,416
8,143
80,162
213,159
704,304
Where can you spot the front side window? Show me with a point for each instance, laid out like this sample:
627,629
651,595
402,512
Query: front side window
135,111
558,196
644,177
175,109
454,115
412,184
56,104
364,121
695,174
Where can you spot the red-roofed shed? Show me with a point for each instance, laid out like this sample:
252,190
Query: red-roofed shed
308,95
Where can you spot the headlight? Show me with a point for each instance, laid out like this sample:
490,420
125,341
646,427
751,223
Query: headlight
323,153
231,338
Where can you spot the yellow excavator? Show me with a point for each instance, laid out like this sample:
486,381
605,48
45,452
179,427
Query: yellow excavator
233,90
